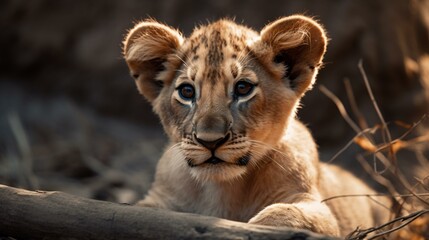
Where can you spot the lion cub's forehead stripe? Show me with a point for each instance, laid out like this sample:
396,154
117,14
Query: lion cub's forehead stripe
210,47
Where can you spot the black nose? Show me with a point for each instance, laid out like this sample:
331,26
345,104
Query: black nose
213,145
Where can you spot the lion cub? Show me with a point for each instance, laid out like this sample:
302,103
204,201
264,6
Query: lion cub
227,98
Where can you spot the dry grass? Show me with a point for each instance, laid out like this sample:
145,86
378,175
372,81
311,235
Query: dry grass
410,199
58,145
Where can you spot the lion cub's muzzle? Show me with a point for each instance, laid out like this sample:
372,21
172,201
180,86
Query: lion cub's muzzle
213,134
212,145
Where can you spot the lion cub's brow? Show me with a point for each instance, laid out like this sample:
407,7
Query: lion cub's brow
218,48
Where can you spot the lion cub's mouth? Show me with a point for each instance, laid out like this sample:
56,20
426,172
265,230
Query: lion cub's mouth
213,160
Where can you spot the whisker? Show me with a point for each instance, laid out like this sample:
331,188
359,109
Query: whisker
231,144
196,149
180,71
243,57
266,146
272,159
269,147
181,59
173,147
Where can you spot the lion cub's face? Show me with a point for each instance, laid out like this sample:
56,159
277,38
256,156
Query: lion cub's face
225,94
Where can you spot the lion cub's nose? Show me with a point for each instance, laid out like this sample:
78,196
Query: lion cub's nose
213,144
212,130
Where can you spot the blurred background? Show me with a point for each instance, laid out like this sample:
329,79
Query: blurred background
71,118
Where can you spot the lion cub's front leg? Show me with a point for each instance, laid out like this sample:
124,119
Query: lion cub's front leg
312,215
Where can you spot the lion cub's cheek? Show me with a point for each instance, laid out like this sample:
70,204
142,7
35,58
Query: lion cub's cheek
268,132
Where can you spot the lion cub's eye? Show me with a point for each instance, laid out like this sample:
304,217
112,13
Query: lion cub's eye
186,91
243,88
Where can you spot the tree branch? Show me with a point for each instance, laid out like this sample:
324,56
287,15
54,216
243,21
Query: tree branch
55,215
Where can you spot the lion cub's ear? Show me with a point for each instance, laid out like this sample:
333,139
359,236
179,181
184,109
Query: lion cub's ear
147,48
296,45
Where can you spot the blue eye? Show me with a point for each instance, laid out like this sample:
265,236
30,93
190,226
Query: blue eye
243,88
186,92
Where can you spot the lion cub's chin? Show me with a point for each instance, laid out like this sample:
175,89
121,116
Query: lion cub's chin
219,172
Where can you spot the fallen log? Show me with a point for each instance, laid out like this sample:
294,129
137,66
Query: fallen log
55,215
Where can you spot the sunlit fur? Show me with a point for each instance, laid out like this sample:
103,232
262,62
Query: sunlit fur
265,169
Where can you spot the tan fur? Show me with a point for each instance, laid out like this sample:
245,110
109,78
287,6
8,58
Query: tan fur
242,156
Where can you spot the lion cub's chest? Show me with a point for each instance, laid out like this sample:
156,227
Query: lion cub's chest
225,202
239,200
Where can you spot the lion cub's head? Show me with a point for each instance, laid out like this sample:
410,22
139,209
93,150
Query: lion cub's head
225,94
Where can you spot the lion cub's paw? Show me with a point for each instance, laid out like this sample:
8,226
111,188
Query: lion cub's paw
289,215
279,215
150,202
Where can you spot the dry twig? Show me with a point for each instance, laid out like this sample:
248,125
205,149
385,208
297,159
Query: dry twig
385,128
358,114
26,161
374,195
361,234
